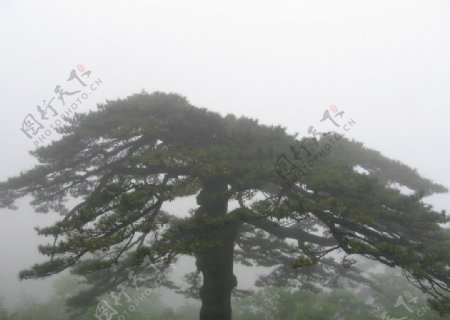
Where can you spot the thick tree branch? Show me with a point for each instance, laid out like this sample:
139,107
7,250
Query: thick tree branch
262,223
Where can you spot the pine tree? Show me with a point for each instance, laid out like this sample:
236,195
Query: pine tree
121,163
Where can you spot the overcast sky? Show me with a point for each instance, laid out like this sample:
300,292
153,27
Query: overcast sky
385,63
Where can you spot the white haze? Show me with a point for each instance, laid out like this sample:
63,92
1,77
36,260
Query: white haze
386,63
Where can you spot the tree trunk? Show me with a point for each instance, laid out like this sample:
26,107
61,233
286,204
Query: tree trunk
216,264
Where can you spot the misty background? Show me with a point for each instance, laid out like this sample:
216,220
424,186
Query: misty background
385,63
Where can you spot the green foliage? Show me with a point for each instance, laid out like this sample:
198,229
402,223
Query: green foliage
283,304
277,304
125,160
399,298
3,314
270,303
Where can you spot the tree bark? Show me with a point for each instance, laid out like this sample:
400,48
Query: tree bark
216,264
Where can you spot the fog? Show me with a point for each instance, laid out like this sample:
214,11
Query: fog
385,63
